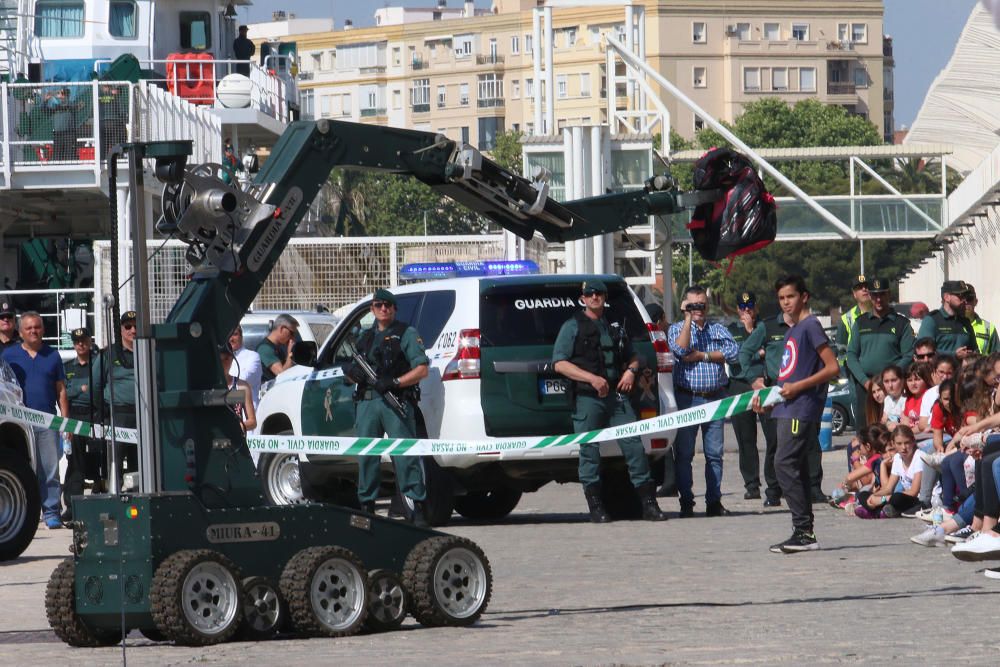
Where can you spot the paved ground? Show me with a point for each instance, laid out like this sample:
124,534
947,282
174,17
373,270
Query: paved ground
693,591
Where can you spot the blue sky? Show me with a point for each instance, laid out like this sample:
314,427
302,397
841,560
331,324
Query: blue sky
924,33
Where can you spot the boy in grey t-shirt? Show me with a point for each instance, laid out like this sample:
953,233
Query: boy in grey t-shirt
807,366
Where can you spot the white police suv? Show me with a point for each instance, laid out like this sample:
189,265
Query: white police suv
489,340
20,503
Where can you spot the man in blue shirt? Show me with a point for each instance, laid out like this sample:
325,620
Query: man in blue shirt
702,349
40,373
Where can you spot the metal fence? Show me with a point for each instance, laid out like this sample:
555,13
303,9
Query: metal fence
331,272
62,310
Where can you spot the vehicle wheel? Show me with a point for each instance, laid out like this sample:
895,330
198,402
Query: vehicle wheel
839,420
326,592
387,602
449,581
493,504
264,611
619,496
60,608
196,597
20,504
440,502
279,475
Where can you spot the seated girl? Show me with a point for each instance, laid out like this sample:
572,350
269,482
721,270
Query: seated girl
907,470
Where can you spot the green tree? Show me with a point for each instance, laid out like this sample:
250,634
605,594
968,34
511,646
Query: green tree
507,152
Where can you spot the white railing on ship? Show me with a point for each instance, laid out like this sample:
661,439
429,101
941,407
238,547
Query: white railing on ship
99,114
61,315
272,88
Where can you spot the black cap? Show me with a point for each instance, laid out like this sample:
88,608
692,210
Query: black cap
593,286
877,285
382,294
748,299
128,316
79,334
6,306
959,287
859,282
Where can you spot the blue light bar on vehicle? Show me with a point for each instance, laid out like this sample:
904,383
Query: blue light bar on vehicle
476,268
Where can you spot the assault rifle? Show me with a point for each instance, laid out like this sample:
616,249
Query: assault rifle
391,399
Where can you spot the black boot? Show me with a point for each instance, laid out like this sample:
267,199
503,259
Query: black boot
597,512
650,509
418,516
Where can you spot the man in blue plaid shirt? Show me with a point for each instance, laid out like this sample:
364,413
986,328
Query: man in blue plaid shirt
702,350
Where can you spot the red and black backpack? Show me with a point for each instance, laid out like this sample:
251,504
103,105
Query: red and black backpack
742,219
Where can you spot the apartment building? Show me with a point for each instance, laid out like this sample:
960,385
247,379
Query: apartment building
471,73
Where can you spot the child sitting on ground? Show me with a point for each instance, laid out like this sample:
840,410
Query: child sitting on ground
895,396
907,469
865,473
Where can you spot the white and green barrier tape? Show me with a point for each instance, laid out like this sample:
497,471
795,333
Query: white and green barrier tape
353,446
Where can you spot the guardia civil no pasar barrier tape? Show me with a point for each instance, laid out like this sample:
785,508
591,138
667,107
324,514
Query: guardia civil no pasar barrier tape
353,446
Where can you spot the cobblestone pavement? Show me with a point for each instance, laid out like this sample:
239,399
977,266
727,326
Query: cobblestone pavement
693,591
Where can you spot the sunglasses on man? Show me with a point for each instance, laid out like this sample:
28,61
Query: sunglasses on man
378,305
593,292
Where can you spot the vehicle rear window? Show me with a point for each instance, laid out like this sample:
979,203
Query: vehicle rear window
533,314
434,314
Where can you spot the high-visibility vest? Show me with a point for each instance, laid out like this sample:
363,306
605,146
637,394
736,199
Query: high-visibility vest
848,319
984,333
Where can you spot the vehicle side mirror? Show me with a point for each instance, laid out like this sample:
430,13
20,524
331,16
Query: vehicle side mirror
304,353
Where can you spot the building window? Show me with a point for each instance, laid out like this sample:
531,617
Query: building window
324,106
420,95
196,30
699,77
345,104
842,33
442,96
529,87
743,31
779,78
489,128
490,90
861,77
463,94
859,33
561,86
465,134
493,50
397,99
515,45
800,32
698,32
807,79
463,46
527,44
571,37
585,84
121,19
699,123
396,56
63,19
307,101
772,32
751,80
515,89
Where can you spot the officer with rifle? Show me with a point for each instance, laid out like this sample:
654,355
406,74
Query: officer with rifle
389,364
87,456
597,358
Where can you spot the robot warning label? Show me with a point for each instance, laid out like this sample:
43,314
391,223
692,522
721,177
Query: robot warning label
261,531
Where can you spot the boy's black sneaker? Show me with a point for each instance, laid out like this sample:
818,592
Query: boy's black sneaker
799,541
772,502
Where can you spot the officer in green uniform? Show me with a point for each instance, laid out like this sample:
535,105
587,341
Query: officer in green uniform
745,423
599,361
769,338
118,386
948,326
396,353
86,458
863,305
879,339
986,333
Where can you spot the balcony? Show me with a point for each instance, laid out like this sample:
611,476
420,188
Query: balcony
420,108
489,59
372,112
841,88
419,64
490,103
375,69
